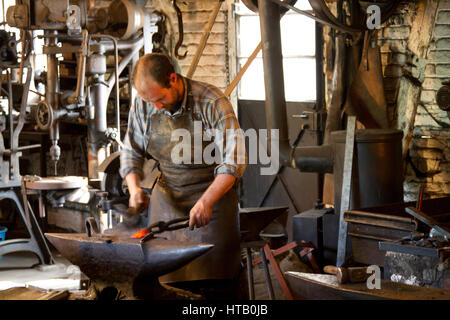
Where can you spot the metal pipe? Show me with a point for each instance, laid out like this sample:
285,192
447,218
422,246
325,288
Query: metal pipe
320,99
273,76
51,96
314,159
125,60
52,89
310,159
116,77
3,11
99,95
99,98
106,46
10,106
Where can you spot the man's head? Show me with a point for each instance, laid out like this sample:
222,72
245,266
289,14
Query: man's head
156,82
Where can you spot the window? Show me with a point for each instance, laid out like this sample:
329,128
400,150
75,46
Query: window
38,59
298,47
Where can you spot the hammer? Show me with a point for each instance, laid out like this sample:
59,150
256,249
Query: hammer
348,275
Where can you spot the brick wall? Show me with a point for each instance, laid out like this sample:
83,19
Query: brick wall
213,66
430,145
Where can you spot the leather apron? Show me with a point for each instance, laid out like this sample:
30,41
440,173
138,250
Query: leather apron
178,188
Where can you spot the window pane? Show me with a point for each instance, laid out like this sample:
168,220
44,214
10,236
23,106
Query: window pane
298,45
299,79
297,35
249,35
303,5
251,86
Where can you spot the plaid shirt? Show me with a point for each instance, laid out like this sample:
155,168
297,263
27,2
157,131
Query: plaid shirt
216,113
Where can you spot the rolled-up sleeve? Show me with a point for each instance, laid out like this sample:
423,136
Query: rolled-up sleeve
231,139
132,155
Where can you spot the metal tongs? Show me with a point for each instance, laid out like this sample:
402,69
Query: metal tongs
159,227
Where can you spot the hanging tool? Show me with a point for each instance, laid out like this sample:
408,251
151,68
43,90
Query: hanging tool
180,31
161,226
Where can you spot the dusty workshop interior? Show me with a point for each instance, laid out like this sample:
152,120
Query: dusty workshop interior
344,111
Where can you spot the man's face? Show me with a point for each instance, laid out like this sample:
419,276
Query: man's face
153,92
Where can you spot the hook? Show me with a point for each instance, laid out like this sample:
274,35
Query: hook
180,31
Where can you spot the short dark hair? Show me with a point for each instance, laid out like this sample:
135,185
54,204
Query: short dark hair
156,65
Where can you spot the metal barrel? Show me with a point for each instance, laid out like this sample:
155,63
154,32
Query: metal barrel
377,177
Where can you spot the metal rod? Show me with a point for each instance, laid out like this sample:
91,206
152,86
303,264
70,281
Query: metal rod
251,287
278,274
23,109
32,146
3,11
81,74
346,190
10,107
266,273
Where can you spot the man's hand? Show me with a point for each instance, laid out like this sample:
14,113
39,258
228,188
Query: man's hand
199,215
201,212
138,201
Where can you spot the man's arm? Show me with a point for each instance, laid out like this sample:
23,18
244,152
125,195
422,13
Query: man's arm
132,155
233,161
200,213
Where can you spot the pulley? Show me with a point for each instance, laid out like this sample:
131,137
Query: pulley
253,5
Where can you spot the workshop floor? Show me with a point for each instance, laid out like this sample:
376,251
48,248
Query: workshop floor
21,269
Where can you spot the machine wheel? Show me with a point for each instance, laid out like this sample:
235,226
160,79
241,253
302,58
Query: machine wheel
112,182
253,5
323,11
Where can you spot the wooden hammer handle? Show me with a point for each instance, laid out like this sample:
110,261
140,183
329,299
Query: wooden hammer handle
330,270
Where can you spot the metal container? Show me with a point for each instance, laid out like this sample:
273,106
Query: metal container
377,177
368,227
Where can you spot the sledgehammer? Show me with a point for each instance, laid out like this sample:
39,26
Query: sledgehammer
348,275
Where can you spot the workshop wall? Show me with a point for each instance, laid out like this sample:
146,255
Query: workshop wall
421,30
213,66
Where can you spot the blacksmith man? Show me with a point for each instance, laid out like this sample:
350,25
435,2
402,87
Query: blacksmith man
204,192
